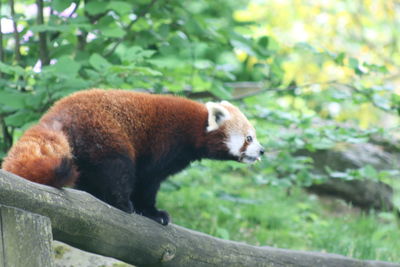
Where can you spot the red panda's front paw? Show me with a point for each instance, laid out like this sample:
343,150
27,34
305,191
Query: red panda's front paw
160,216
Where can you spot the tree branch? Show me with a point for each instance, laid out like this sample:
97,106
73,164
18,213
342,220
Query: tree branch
44,53
1,43
364,93
246,89
7,135
82,221
17,51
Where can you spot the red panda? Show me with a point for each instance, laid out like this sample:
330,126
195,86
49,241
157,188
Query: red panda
120,145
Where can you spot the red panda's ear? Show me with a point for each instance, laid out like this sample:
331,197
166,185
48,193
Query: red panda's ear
217,114
226,103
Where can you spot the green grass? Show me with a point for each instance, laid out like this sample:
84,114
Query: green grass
227,202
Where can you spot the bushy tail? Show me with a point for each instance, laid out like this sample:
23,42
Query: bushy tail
42,155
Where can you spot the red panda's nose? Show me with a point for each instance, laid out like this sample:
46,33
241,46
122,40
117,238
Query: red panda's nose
262,151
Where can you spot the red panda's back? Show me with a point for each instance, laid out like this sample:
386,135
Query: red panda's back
100,121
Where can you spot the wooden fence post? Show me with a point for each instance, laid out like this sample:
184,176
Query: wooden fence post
25,239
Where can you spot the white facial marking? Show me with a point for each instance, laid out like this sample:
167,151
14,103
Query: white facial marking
235,143
252,152
247,160
253,149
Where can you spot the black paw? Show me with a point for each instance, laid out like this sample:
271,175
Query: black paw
160,216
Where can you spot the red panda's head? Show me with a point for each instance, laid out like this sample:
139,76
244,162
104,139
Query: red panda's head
230,134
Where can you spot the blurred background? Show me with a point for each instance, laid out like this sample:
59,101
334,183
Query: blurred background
320,80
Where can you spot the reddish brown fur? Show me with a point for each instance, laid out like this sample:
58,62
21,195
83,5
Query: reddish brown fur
37,155
125,121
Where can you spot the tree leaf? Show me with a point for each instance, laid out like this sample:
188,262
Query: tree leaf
95,7
20,118
339,59
120,7
113,31
67,66
353,63
136,53
50,28
9,69
98,62
220,91
12,99
60,5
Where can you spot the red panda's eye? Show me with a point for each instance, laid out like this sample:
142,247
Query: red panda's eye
249,139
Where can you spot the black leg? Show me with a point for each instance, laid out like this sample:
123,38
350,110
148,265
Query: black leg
110,179
144,201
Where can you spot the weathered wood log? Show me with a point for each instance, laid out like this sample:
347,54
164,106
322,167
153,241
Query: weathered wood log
365,194
25,239
85,222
